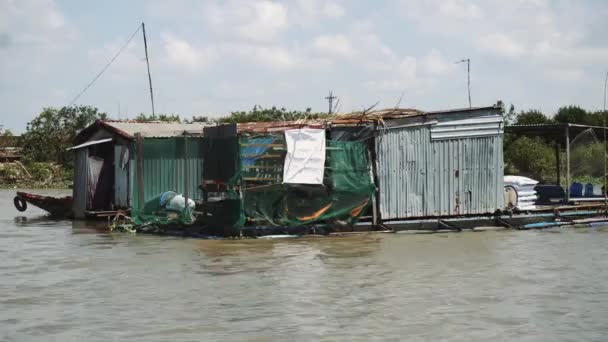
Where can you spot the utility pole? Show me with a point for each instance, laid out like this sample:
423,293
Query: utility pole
143,28
330,99
468,61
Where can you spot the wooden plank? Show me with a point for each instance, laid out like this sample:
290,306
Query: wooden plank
262,156
266,167
263,145
259,179
140,173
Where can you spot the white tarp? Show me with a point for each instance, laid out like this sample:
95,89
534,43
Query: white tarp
305,159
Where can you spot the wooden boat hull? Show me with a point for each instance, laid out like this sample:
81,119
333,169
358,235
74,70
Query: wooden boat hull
58,207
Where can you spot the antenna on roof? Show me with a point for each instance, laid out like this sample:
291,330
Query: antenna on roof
143,29
468,61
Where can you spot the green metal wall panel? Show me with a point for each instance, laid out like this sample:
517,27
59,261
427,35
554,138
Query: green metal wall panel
168,164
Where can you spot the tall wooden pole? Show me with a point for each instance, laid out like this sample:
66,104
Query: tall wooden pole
605,156
143,28
568,163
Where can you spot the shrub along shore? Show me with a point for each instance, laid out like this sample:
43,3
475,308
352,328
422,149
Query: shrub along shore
41,175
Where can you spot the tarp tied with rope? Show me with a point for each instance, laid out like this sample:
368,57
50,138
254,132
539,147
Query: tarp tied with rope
344,192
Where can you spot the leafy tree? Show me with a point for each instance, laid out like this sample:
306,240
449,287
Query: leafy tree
572,114
158,117
509,116
259,114
597,118
530,157
201,118
7,138
49,134
532,117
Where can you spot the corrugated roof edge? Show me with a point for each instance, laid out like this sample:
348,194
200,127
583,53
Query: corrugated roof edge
354,118
107,124
468,109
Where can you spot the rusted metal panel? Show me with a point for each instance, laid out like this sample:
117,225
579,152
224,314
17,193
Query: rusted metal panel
402,157
421,175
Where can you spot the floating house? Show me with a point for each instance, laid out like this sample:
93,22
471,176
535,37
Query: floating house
384,166
120,163
396,168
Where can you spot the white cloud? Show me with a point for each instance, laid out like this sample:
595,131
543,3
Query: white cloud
128,63
459,9
181,53
501,44
254,21
566,74
403,76
333,45
333,10
273,57
407,69
268,20
34,23
436,64
312,12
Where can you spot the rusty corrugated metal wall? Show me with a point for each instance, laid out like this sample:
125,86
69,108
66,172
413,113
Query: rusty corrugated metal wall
452,166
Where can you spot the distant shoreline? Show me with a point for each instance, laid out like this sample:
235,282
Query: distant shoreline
53,186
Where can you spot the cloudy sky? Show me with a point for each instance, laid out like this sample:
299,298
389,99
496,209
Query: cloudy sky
213,57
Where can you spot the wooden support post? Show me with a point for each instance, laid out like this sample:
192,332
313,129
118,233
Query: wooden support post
140,173
377,216
186,168
558,163
567,163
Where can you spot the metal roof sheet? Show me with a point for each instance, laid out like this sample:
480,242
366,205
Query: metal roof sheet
128,129
154,129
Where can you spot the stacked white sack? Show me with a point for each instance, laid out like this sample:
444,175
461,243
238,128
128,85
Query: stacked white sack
524,187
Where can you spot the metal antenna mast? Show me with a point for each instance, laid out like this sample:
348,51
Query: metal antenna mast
468,61
331,99
143,28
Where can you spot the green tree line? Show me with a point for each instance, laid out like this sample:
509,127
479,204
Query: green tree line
535,157
50,133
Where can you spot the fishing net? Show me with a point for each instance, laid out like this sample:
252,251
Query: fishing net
586,165
346,191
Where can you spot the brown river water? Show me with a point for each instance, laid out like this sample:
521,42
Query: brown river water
72,281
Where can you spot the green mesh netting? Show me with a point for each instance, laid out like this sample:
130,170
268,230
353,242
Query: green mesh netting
168,164
346,193
250,171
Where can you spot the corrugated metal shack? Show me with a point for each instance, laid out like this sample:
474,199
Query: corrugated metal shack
425,165
119,164
445,163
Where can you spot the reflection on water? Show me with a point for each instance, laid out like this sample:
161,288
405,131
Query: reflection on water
74,281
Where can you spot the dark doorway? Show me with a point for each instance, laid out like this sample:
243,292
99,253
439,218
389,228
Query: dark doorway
101,177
